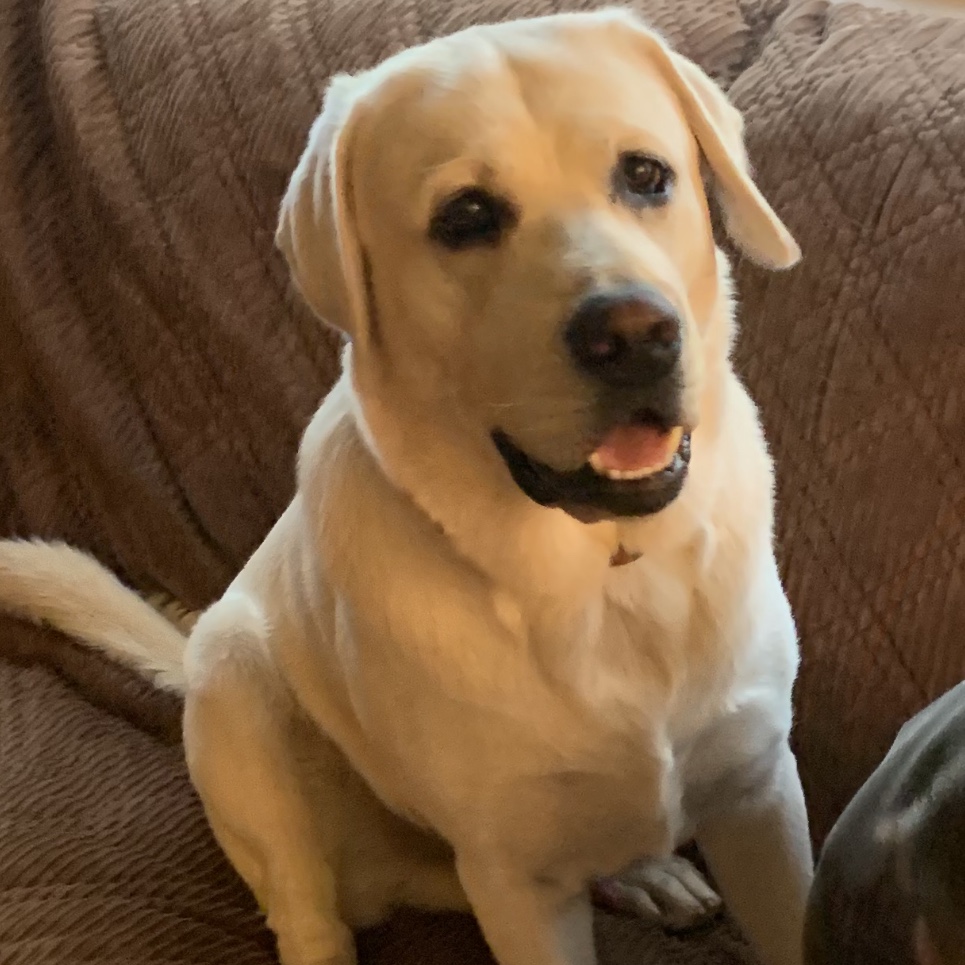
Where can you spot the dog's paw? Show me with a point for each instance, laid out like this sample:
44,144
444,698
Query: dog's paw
671,891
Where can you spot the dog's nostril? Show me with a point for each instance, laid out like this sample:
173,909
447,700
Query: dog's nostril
607,349
666,332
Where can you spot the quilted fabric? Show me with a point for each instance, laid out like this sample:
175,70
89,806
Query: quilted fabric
106,856
156,372
858,362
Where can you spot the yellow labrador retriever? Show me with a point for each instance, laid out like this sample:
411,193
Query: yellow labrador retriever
521,629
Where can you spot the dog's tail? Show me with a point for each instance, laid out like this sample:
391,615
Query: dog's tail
57,585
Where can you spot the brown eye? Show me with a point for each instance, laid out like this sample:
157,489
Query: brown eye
643,179
471,217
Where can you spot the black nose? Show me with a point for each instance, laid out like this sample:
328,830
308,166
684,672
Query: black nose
626,337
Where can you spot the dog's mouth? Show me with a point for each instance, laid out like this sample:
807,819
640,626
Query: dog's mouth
637,468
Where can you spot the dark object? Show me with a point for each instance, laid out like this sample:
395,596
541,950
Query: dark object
900,845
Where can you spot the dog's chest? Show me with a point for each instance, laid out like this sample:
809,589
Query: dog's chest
663,657
574,730
683,689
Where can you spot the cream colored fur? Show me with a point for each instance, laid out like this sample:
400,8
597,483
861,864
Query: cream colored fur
424,688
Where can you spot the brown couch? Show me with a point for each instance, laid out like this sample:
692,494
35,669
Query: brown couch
156,371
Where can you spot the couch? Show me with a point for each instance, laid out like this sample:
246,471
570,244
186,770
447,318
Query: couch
156,370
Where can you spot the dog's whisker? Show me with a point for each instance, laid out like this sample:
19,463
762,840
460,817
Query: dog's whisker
568,409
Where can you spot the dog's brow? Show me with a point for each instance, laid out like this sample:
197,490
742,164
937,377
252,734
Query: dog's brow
441,179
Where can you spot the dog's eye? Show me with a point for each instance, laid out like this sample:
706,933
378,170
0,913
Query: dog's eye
471,217
643,179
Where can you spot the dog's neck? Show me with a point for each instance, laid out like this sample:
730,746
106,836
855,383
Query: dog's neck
466,491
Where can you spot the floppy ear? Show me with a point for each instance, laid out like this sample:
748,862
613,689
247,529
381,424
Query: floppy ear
719,130
317,226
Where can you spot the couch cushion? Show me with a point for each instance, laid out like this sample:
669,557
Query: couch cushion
105,855
856,120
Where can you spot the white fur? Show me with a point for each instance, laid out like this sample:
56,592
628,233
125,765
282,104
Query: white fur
56,584
424,688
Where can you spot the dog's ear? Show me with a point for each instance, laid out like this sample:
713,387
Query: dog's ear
317,230
719,130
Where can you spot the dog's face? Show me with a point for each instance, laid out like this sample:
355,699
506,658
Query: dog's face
511,226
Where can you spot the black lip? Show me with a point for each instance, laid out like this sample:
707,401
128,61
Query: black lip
585,494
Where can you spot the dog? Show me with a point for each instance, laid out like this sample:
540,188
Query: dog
520,633
901,842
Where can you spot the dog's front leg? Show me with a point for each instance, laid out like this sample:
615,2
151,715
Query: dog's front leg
527,921
759,852
248,754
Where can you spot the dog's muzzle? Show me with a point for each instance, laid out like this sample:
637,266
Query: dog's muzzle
627,342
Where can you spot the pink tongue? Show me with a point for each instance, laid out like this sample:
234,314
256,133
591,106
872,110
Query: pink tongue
634,448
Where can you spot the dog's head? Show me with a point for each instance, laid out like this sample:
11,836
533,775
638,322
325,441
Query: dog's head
511,226
927,840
